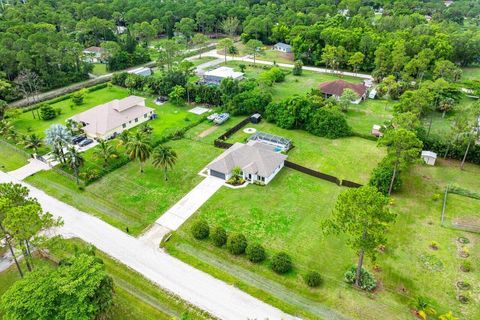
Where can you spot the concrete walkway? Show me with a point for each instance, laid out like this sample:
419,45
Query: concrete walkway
198,288
191,202
32,167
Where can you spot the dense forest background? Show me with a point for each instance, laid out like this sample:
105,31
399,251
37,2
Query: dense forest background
406,38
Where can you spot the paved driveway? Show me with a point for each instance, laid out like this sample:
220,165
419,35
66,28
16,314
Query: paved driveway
32,167
183,209
200,289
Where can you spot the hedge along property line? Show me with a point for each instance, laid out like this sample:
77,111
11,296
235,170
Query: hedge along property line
220,143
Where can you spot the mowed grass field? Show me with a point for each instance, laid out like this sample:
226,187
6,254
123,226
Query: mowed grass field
287,215
128,198
134,298
349,158
11,159
462,211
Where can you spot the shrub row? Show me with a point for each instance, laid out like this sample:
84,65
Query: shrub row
237,244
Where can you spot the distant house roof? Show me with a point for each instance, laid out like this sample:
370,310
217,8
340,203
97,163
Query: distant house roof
142,71
283,45
101,119
252,158
94,49
224,72
336,87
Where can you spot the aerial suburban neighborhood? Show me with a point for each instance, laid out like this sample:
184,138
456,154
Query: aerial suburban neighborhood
240,159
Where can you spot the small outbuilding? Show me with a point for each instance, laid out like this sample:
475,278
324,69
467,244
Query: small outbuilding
216,76
429,157
376,130
282,47
255,118
93,54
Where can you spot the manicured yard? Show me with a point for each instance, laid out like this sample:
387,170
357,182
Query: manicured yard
135,297
462,212
362,117
286,216
10,159
127,198
99,69
349,158
25,123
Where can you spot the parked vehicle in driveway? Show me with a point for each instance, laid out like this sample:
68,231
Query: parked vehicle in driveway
85,142
212,116
78,139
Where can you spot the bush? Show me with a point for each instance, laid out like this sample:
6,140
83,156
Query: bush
297,68
382,176
219,236
78,97
312,279
329,123
236,244
281,263
367,280
200,230
47,112
256,253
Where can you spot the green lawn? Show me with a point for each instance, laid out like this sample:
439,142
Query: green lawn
286,216
472,73
99,69
363,116
125,197
277,56
462,212
135,297
348,158
10,159
198,61
26,123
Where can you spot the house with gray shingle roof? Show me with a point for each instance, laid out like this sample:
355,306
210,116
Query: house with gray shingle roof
283,47
258,162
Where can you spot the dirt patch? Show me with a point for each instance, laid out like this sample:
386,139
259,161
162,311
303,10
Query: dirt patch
205,133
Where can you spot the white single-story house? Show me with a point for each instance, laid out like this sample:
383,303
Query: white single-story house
218,74
258,162
282,47
429,157
335,89
110,119
93,54
142,71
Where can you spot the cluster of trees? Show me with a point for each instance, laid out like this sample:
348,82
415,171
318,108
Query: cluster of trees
312,113
47,293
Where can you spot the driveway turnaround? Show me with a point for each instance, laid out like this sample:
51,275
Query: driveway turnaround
183,209
194,286
32,167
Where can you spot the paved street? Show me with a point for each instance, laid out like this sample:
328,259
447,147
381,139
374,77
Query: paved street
220,299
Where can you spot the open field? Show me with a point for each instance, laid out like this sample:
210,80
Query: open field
462,212
276,217
127,198
339,157
99,69
10,158
134,298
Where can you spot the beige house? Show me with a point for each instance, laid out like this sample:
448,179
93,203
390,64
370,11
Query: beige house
110,119
258,161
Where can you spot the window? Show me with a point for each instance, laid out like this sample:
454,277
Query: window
136,119
145,115
124,125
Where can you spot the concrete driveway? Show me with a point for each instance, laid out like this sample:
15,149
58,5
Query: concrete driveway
222,300
183,209
32,167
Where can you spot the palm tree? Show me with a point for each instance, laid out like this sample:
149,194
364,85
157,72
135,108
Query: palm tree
32,141
146,128
123,138
105,151
164,157
58,136
138,148
74,160
5,127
